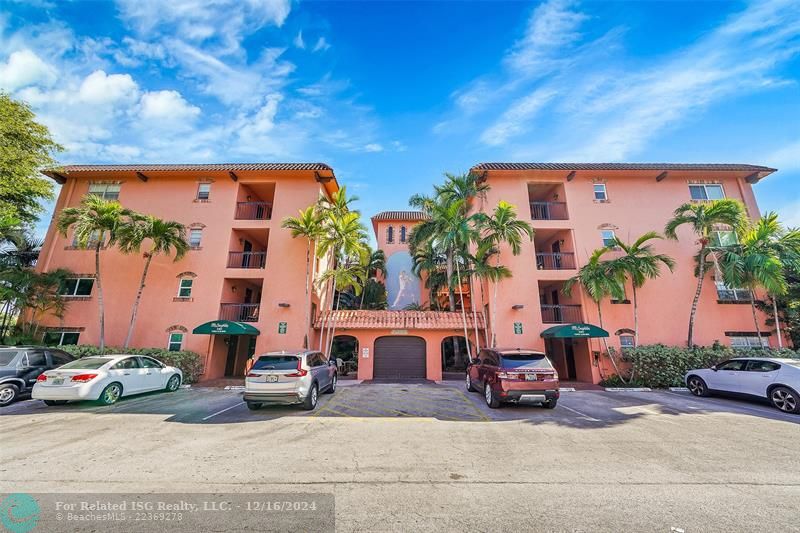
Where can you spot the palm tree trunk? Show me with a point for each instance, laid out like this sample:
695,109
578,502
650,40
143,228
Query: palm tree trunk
483,314
451,295
138,299
333,328
463,311
308,299
693,313
494,306
777,320
755,317
474,314
635,317
605,344
100,302
4,323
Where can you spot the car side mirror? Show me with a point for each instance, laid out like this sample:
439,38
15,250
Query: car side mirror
714,368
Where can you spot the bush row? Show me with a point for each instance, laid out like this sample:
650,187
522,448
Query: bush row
190,363
659,366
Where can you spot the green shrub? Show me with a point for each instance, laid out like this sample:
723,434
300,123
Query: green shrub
190,363
659,366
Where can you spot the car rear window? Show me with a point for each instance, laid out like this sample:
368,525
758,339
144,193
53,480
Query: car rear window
87,363
524,360
793,362
277,362
6,356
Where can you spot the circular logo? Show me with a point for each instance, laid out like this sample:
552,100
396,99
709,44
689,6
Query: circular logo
19,513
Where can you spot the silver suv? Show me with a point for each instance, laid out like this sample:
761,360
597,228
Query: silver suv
289,377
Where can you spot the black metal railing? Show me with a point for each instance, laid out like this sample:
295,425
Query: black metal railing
561,314
253,210
239,312
549,210
247,259
555,261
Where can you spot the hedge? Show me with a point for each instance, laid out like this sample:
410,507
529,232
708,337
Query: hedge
661,366
190,363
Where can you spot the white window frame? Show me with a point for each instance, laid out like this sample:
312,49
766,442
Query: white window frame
604,191
626,337
61,336
603,238
739,294
181,287
104,190
748,343
171,342
705,187
96,235
201,192
195,231
77,282
716,234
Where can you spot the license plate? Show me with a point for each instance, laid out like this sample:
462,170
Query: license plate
272,379
532,398
530,377
58,381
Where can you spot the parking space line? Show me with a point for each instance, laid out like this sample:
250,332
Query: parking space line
223,411
481,414
584,415
435,408
732,406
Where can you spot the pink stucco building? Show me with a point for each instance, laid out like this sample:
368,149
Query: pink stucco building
245,269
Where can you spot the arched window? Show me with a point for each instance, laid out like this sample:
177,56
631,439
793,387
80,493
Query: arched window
390,234
402,234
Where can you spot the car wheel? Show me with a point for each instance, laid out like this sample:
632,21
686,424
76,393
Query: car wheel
311,400
253,406
468,383
332,388
785,399
8,394
491,400
550,404
173,383
110,394
51,403
697,386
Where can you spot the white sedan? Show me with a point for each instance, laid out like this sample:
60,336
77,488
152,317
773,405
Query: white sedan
105,378
777,380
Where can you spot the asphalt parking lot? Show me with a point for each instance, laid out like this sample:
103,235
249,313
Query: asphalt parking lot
403,456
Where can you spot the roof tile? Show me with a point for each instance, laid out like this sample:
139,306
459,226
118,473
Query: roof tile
361,319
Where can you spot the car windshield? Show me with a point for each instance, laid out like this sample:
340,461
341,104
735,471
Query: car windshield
276,362
87,363
524,360
793,362
6,356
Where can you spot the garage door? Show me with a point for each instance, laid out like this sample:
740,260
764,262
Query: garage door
399,358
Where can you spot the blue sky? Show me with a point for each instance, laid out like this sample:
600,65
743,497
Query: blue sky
393,94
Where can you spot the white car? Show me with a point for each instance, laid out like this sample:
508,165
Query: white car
778,380
105,379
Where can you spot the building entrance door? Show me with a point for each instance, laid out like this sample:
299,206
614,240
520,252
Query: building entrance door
233,349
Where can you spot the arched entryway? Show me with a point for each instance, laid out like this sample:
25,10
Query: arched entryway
454,354
399,357
345,351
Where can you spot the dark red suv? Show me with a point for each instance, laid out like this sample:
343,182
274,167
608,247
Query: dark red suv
513,375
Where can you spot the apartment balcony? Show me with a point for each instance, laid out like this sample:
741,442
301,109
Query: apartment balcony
253,210
549,210
561,313
247,260
239,312
555,261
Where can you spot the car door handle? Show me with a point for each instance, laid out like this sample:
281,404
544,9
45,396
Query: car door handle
126,373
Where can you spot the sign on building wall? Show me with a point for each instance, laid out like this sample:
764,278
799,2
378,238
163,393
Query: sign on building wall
282,328
365,353
517,328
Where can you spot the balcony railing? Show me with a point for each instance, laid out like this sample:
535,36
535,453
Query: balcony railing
239,312
549,210
555,261
247,259
561,314
253,210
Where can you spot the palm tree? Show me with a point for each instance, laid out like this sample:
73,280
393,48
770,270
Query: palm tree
166,237
347,275
703,219
95,222
483,270
600,280
373,262
759,260
308,225
639,263
428,260
503,227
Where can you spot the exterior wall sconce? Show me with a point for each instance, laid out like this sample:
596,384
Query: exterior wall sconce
518,306
234,289
283,304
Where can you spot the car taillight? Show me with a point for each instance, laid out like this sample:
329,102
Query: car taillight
300,371
510,375
252,375
83,378
41,377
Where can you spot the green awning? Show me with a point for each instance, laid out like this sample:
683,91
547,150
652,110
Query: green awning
225,327
571,331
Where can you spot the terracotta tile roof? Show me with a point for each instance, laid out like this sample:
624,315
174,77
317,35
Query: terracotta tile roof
400,215
623,166
397,320
191,167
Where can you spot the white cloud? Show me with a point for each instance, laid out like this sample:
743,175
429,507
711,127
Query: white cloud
786,157
298,40
25,68
99,88
518,118
373,147
321,45
789,215
167,108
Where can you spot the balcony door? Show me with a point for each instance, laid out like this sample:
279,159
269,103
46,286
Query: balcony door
247,248
556,249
